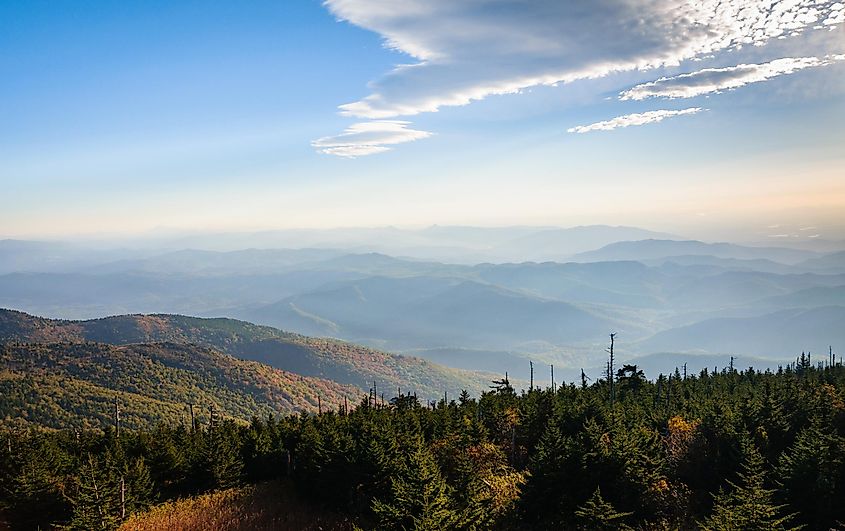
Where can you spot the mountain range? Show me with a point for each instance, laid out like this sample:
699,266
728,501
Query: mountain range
489,299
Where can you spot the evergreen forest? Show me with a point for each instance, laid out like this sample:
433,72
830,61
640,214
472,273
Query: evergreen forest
721,449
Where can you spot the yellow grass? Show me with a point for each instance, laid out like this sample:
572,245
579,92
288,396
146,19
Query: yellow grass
269,506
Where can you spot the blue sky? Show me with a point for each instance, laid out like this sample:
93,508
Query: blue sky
121,117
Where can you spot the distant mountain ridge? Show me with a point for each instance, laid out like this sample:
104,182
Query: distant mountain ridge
793,330
652,249
834,262
456,312
559,244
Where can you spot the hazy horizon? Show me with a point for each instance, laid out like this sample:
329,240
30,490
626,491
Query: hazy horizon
770,235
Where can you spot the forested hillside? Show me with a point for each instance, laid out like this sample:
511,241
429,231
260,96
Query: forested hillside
727,450
79,385
339,361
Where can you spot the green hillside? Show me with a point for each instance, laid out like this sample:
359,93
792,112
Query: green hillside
77,384
335,360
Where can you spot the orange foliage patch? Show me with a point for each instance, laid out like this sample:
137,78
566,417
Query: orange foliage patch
265,507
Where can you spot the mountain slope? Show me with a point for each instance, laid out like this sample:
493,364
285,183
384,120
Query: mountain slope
779,335
77,384
321,358
833,262
625,283
405,313
808,298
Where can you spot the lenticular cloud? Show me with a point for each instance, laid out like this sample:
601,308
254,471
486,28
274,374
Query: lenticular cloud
465,51
710,80
368,138
631,120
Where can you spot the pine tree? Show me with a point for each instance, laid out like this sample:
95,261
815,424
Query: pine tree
549,467
224,457
812,476
598,514
748,505
34,496
261,460
418,499
168,463
139,489
95,497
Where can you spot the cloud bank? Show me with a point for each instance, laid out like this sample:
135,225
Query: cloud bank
710,80
368,138
632,119
472,49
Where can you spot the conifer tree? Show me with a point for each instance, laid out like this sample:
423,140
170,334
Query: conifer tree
598,514
549,467
419,498
168,462
139,489
34,496
747,505
224,457
812,476
95,497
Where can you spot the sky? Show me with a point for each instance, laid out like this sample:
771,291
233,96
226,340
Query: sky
692,117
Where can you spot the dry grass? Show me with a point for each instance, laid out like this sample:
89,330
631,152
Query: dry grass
265,507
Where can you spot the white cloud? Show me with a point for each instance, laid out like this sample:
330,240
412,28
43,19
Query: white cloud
710,80
470,49
836,14
632,119
368,138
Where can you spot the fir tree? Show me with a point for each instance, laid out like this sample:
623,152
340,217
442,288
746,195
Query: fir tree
598,514
747,505
95,497
34,495
550,465
224,456
812,476
419,498
139,489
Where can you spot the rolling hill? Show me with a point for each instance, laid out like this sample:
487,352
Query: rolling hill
832,263
779,335
407,313
77,384
335,360
808,298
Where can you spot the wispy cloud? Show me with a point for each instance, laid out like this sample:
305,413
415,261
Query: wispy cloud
710,80
466,51
632,119
368,138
